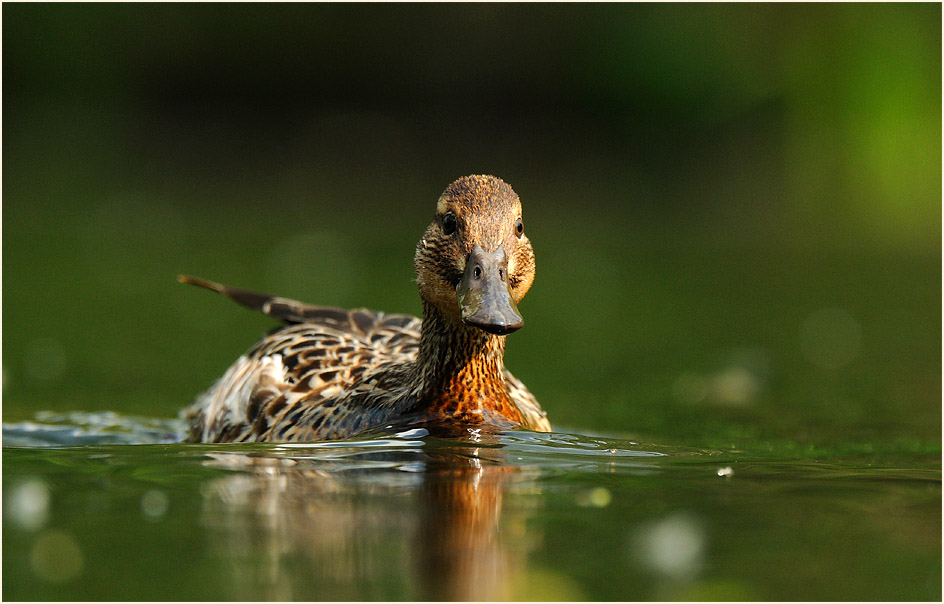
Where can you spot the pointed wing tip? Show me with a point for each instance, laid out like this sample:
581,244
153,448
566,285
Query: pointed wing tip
283,309
188,280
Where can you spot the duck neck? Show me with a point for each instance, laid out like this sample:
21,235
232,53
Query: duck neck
460,364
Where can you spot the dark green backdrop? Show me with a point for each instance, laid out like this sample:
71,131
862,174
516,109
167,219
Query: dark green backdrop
736,209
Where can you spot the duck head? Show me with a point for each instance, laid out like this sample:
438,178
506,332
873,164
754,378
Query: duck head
474,262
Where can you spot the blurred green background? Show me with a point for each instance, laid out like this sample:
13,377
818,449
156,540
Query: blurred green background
736,209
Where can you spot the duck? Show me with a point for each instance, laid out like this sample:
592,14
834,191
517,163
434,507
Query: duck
329,373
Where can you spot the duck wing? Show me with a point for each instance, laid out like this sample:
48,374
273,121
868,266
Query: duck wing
535,418
290,382
361,322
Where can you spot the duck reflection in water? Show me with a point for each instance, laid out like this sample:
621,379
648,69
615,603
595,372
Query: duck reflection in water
421,521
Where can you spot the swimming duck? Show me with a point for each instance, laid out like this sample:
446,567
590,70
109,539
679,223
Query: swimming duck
331,373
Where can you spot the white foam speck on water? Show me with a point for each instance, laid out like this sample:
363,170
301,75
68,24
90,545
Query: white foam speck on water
413,433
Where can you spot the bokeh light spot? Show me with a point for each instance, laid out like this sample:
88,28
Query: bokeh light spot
673,546
736,386
27,505
598,497
56,557
154,505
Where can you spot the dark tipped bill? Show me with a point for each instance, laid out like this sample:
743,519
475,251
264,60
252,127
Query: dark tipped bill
484,295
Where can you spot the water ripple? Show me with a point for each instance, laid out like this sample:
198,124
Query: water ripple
78,428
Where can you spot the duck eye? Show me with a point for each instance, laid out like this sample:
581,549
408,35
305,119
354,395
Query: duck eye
449,223
519,227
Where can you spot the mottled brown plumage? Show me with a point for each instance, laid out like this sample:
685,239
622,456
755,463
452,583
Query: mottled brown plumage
332,373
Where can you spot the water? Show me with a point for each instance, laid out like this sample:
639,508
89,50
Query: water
107,507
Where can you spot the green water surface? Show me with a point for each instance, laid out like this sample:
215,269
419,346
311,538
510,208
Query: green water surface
522,516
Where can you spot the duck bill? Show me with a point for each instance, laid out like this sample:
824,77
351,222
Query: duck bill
484,295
